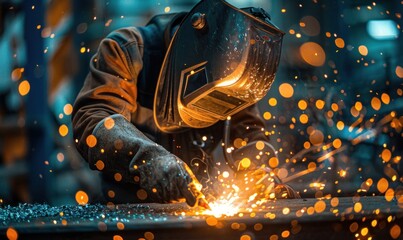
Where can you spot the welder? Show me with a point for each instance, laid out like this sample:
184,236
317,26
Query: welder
159,99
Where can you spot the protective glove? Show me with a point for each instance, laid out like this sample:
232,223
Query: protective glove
252,173
263,183
126,151
165,177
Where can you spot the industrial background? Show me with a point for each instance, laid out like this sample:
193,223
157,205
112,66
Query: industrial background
334,113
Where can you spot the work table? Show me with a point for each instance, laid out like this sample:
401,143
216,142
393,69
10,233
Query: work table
311,218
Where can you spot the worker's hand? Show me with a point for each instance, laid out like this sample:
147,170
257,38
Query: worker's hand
167,178
263,183
126,150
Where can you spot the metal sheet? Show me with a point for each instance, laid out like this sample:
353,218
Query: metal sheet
291,219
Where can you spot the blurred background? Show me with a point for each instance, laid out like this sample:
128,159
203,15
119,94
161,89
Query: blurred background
334,113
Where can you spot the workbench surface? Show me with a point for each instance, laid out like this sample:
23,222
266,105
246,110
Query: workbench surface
335,218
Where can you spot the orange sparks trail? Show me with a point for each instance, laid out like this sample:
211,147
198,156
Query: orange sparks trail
330,154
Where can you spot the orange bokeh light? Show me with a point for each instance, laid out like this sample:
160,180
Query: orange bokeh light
320,206
100,165
109,123
267,115
63,130
399,71
395,231
386,155
68,109
376,103
286,90
273,162
313,54
24,88
302,104
320,104
382,185
363,50
337,143
316,137
91,141
260,145
272,102
12,234
339,42
304,118
81,197
385,98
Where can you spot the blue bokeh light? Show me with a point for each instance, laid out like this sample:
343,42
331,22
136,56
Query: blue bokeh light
382,29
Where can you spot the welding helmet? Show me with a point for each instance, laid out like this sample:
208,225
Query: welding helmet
220,60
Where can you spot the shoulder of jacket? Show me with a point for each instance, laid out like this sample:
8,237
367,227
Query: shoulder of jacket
125,36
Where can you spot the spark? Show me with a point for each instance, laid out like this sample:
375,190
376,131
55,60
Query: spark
317,185
330,154
358,121
297,175
224,206
303,152
372,132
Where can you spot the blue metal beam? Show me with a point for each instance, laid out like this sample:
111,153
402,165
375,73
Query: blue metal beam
37,109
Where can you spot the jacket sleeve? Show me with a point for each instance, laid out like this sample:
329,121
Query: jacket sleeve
248,124
249,138
103,108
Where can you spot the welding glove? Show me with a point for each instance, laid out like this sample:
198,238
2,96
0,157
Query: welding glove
252,161
127,153
166,177
263,183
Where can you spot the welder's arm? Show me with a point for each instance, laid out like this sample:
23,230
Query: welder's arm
248,125
125,150
104,135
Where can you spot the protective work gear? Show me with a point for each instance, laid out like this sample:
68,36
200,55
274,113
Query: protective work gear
161,174
250,164
115,106
220,60
166,178
262,183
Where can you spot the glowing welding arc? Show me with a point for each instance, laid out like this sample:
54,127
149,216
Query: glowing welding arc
225,205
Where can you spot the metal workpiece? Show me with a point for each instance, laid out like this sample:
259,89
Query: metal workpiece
285,219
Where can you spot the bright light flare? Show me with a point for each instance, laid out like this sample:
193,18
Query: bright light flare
228,204
317,185
224,206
